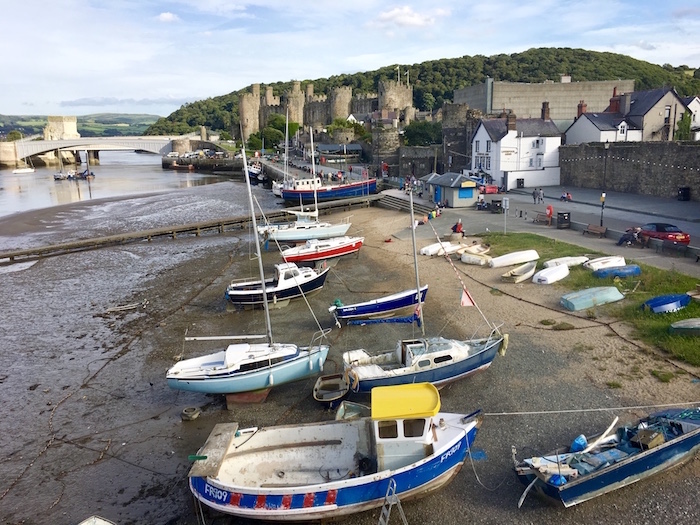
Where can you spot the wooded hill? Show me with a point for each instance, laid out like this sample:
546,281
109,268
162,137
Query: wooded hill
95,125
434,82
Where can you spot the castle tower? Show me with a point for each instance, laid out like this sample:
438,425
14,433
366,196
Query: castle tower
61,128
249,112
394,96
295,103
340,100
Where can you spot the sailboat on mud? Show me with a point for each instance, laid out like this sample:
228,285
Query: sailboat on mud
250,367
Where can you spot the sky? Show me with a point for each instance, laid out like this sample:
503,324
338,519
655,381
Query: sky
77,57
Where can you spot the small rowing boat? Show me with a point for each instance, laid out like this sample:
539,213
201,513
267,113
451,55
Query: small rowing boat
520,273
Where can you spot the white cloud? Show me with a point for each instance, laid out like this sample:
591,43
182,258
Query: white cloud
168,17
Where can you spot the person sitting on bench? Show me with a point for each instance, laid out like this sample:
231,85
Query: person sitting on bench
631,235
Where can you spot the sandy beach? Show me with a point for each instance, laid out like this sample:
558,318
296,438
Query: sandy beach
101,432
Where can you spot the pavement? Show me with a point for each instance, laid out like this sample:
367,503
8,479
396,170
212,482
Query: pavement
621,211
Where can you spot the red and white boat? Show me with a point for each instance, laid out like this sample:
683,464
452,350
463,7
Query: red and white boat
319,249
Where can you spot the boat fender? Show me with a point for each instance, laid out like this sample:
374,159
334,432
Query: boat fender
579,444
271,380
556,480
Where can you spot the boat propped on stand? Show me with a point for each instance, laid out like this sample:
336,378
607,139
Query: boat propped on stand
332,469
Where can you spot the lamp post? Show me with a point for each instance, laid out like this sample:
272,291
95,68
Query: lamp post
605,165
602,207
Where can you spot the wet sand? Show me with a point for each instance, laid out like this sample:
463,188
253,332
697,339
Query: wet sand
90,427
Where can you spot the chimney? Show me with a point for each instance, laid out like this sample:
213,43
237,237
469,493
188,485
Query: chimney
510,121
625,103
582,107
545,110
614,102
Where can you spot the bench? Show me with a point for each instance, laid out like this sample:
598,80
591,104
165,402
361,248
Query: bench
541,217
600,231
680,249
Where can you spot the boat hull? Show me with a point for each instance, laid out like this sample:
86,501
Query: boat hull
329,193
667,303
317,252
569,261
283,234
513,258
605,262
629,270
305,364
551,275
591,297
335,499
686,327
246,295
382,307
521,273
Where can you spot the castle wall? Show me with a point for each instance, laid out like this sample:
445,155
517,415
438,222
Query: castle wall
249,112
646,168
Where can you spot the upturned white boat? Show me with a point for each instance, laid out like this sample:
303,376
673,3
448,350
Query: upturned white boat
521,273
441,248
513,258
568,261
478,260
686,327
605,262
551,275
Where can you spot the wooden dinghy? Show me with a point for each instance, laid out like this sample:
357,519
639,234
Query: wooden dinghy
605,262
476,249
568,261
551,275
628,270
667,303
686,327
513,258
589,297
520,273
331,389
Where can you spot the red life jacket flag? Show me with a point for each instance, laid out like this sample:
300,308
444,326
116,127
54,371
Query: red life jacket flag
466,299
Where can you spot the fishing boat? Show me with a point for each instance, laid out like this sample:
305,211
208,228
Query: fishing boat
289,282
569,261
513,258
590,297
686,327
667,303
520,273
331,389
332,469
551,274
320,249
614,459
304,191
380,308
476,259
435,360
605,262
255,173
245,367
628,270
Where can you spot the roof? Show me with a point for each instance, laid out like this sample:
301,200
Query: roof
529,127
412,400
641,102
337,148
608,121
429,177
452,180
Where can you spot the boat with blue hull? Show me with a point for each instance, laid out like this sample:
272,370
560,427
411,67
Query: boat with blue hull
332,469
628,270
379,308
667,303
614,459
302,190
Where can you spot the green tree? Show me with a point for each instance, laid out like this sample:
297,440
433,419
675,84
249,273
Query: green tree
428,101
683,131
13,135
254,142
423,133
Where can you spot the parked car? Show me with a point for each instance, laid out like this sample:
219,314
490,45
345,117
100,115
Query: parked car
665,232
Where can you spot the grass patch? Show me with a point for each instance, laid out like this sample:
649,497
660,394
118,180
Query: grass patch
661,375
563,326
547,322
614,384
648,327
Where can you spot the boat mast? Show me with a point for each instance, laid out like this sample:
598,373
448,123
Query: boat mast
415,265
286,146
313,169
268,324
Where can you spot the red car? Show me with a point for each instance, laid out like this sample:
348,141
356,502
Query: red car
665,232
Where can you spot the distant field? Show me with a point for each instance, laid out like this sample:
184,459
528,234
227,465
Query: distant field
97,125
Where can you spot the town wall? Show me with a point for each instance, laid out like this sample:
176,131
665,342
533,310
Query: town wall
419,160
645,168
364,104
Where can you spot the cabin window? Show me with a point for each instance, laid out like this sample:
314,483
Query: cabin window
423,363
413,427
442,358
388,429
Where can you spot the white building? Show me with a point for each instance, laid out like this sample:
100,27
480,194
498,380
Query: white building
602,127
517,153
693,105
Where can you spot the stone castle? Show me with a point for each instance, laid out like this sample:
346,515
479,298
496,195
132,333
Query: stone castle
317,111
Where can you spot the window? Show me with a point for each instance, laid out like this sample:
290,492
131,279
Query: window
488,146
539,161
488,164
423,363
531,163
387,429
476,146
413,427
667,114
623,129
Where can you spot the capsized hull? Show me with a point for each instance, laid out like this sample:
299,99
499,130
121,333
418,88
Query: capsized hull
590,297
667,303
513,258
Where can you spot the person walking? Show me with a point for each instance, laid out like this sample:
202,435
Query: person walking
535,194
540,196
550,212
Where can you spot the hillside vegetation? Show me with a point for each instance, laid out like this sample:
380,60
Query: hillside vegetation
434,82
95,125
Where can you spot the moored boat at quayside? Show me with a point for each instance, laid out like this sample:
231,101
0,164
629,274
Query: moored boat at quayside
301,191
332,469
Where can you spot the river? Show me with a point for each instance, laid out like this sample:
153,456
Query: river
120,173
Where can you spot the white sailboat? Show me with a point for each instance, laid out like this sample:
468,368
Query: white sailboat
248,367
306,226
27,168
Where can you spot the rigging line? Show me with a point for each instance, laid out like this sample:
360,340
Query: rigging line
582,410
464,288
476,475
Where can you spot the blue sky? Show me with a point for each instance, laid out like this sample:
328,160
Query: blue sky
75,57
